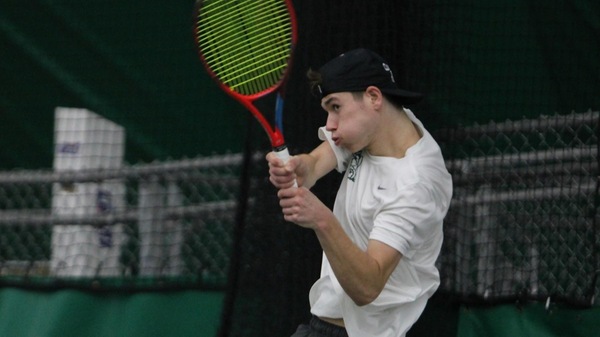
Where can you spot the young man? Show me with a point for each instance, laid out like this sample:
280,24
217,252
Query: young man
382,239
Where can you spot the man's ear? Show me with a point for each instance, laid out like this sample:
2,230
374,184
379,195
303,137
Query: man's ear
374,97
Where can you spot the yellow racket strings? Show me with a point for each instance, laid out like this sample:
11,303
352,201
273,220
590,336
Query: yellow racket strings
246,43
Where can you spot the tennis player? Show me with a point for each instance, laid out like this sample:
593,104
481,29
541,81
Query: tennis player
384,234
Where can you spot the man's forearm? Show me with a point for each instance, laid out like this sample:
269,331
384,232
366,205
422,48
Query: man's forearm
318,163
362,274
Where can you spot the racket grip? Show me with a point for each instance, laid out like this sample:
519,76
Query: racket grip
282,153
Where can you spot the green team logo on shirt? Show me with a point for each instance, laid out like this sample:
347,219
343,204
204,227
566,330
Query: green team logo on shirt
357,159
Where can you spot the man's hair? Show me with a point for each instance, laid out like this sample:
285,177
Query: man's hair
314,80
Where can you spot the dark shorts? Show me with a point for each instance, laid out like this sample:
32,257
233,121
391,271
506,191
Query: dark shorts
319,328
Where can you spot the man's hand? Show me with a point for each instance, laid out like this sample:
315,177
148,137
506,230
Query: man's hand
306,169
302,207
283,175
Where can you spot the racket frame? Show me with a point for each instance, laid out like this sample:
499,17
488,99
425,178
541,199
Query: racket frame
273,131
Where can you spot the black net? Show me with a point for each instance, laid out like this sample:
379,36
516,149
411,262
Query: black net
476,62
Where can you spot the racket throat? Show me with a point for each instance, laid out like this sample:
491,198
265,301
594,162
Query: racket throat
277,140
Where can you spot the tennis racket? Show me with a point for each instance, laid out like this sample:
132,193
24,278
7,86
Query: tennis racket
247,46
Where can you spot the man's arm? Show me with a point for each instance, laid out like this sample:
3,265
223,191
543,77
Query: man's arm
362,274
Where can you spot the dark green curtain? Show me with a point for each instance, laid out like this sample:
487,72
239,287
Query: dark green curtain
132,62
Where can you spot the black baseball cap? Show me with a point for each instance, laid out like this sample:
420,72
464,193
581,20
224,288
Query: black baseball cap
357,69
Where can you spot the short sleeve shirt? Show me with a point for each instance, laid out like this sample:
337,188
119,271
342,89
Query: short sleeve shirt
398,201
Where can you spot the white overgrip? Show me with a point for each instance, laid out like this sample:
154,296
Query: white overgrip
283,154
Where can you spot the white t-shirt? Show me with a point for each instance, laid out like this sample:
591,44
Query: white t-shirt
400,202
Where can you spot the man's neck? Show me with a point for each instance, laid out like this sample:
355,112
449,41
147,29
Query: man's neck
396,134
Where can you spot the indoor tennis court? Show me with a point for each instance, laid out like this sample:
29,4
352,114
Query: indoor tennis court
134,192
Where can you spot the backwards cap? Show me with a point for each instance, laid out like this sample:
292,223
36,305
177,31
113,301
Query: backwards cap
358,69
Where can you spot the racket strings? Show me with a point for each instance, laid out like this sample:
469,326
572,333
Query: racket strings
221,26
259,62
246,44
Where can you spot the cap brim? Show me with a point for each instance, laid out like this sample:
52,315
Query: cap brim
404,96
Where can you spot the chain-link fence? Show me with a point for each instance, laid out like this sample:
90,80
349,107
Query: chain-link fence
159,224
523,221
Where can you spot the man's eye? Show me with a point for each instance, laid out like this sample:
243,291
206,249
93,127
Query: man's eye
335,107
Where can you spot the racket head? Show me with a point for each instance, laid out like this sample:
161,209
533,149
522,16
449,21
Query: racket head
246,45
